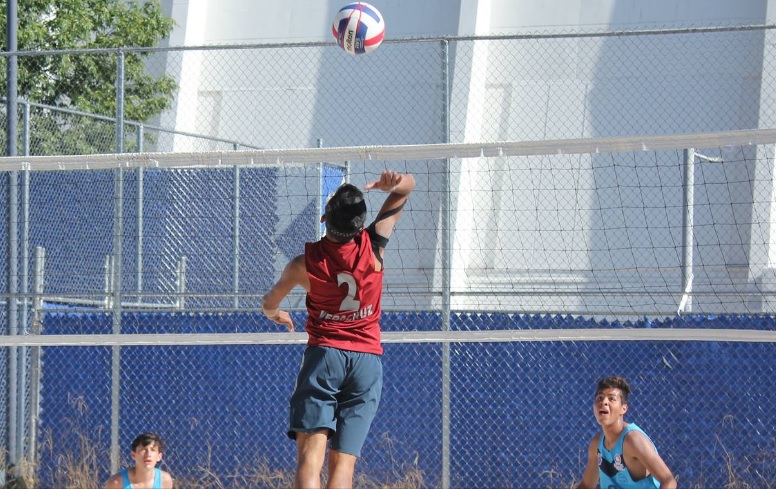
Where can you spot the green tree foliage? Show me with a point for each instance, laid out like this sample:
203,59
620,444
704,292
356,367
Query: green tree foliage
87,81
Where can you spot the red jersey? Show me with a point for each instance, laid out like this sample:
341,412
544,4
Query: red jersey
343,304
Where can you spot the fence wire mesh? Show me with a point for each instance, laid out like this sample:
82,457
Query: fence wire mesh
518,413
528,87
561,241
567,241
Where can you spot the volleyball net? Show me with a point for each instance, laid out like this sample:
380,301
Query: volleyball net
519,274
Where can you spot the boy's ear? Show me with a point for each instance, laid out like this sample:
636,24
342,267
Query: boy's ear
323,218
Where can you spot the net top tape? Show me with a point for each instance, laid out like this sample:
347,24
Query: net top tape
277,157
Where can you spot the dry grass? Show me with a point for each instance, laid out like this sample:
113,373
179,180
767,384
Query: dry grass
77,467
558,480
261,475
78,463
755,471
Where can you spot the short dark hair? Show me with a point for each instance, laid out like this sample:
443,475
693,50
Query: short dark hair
615,382
146,439
345,212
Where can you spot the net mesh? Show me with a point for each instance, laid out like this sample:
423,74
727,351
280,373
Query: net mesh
612,227
519,274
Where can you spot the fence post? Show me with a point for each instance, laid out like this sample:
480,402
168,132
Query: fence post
120,102
688,194
140,216
236,238
140,234
140,136
318,203
21,415
180,284
25,127
39,267
447,241
118,254
115,374
13,253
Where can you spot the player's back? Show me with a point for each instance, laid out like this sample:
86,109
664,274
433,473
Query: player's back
344,300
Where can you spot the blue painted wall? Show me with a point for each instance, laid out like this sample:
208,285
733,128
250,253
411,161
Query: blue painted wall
520,412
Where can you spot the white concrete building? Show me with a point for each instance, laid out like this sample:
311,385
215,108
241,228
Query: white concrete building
523,89
213,93
250,21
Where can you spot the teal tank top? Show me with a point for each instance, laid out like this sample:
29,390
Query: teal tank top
612,472
157,479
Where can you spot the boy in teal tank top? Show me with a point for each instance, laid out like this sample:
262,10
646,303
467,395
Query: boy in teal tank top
147,451
621,455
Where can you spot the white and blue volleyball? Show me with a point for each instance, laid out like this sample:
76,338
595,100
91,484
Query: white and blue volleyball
359,28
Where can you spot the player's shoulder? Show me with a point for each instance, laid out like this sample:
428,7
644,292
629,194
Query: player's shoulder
114,482
167,481
595,440
637,439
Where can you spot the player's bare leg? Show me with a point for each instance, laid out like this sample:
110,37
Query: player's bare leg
341,468
310,454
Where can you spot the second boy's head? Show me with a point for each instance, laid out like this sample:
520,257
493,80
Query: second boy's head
611,401
148,439
147,450
614,382
345,213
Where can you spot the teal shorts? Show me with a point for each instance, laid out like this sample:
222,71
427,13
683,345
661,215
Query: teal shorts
339,391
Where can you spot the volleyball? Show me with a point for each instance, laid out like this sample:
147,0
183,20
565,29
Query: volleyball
359,28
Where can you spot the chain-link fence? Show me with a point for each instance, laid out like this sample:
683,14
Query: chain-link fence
51,130
488,244
473,414
528,87
190,251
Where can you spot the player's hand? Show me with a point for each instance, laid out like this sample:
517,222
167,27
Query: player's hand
283,317
388,180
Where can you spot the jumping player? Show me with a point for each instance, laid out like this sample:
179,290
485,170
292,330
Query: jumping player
339,385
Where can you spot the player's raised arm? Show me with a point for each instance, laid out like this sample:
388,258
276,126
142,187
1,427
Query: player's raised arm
399,186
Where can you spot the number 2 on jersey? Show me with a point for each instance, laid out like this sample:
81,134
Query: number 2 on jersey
349,303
